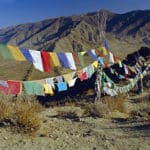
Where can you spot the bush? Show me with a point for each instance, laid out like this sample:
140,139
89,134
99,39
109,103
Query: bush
21,112
5,111
6,108
26,116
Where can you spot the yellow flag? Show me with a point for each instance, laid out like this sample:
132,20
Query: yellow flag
82,53
120,63
15,51
141,76
95,64
54,59
48,89
68,77
104,51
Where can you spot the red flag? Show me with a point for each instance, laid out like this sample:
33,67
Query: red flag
115,58
98,52
46,61
14,87
76,57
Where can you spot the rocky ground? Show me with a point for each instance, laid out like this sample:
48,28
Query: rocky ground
116,131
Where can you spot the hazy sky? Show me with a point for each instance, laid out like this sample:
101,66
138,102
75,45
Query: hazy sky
14,12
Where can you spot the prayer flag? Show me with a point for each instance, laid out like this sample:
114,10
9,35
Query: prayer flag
46,61
37,60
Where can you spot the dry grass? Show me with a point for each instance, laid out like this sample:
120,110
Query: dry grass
5,111
116,103
140,108
103,107
26,115
21,112
70,114
17,73
97,109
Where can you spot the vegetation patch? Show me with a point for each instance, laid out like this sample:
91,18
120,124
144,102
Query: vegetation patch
21,113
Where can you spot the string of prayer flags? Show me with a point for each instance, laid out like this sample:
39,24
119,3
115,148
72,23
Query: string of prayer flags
115,88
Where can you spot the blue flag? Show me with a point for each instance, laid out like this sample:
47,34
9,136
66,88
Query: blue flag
106,44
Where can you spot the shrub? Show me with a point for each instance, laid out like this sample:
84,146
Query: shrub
26,109
5,111
6,108
27,122
22,111
31,101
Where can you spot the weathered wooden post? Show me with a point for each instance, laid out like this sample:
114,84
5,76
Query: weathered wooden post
98,82
101,33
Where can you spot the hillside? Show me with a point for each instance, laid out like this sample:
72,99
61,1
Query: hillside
77,122
125,32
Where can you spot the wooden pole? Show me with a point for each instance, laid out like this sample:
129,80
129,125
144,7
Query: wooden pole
98,82
101,31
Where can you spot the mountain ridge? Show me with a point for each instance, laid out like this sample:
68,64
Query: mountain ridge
129,31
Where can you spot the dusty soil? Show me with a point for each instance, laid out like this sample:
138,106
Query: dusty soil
85,133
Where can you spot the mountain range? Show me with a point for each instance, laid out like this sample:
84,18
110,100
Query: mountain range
126,32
